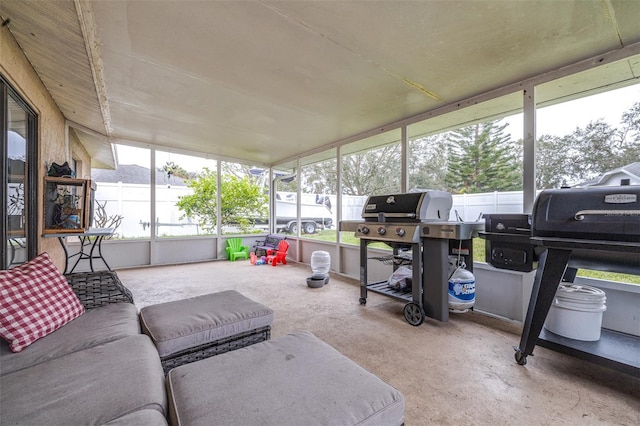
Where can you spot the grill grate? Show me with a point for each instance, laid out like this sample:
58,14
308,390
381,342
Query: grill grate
394,259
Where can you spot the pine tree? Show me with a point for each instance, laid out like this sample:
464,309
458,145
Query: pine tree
483,159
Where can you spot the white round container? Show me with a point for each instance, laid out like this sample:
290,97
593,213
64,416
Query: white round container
320,264
576,312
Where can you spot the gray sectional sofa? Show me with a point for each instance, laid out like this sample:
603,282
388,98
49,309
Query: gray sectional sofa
97,369
100,369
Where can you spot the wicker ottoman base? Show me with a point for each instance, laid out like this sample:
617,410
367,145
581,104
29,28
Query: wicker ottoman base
192,329
215,348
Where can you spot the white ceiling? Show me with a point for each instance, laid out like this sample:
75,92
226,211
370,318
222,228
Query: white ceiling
264,81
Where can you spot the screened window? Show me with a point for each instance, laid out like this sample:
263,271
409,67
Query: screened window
319,188
475,153
372,166
183,183
596,143
123,196
284,199
244,202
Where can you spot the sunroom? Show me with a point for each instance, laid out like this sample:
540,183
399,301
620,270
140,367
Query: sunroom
305,109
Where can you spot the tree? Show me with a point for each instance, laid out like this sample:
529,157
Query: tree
588,152
631,134
592,150
482,159
243,203
427,162
376,171
320,178
551,165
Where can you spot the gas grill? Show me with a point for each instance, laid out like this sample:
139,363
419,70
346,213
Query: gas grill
416,226
594,228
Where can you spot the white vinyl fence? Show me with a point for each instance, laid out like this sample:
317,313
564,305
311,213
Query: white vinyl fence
131,201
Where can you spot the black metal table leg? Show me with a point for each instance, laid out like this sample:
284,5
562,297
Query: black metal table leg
93,246
99,244
66,254
84,240
551,267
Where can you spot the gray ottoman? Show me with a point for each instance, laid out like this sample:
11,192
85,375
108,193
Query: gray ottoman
192,329
295,379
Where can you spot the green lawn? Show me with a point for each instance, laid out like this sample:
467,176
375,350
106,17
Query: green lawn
478,255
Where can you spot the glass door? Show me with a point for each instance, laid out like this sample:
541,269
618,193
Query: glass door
19,181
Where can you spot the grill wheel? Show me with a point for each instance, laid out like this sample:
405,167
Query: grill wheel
413,314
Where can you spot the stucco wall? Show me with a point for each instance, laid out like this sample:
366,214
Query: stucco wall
16,69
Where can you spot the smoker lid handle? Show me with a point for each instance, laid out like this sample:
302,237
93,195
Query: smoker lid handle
582,213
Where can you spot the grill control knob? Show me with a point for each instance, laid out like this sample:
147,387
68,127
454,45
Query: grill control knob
364,230
400,232
381,230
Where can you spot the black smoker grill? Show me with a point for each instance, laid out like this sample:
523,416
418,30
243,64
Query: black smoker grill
508,244
416,226
595,228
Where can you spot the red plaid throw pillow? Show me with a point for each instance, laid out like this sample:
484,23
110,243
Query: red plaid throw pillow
35,300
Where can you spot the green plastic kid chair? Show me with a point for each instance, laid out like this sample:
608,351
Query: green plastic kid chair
235,249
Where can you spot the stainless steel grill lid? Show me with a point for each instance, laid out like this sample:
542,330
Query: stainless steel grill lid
408,207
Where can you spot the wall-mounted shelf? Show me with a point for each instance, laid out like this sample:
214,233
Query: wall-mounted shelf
66,205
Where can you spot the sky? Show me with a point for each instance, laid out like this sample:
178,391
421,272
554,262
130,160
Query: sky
562,119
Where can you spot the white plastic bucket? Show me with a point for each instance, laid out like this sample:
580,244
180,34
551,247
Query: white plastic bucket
320,264
576,312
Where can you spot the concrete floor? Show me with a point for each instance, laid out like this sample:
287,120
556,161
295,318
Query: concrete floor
461,372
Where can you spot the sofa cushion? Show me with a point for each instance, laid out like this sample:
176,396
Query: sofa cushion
140,418
188,323
35,300
92,386
94,327
295,379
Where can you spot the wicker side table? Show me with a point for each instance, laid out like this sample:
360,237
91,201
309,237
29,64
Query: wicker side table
95,289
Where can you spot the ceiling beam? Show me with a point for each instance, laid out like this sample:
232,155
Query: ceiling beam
88,27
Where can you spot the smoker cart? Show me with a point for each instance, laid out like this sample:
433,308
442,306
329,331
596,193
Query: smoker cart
593,228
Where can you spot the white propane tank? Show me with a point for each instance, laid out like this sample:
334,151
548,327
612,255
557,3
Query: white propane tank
462,290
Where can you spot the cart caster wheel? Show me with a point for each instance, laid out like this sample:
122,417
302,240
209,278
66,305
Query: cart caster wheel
521,358
413,314
363,300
